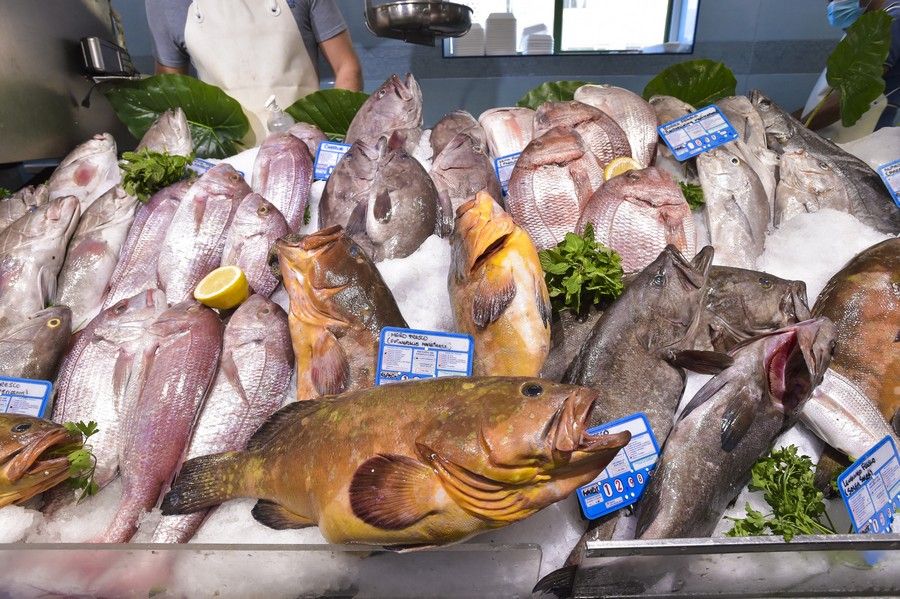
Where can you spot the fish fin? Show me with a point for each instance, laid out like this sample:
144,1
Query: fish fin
204,482
329,368
895,422
737,418
387,491
558,583
711,387
290,415
278,517
704,362
493,295
543,302
446,216
356,222
382,208
830,463
230,371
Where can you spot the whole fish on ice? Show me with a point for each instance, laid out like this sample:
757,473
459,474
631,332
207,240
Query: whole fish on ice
461,170
169,134
256,226
87,172
630,111
395,107
283,174
668,109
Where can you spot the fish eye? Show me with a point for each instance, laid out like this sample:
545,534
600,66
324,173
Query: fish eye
824,166
53,323
234,177
765,282
381,93
21,427
659,279
532,389
633,175
765,103
353,250
262,210
832,345
735,161
120,307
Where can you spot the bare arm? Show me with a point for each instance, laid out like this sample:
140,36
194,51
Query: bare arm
162,69
340,54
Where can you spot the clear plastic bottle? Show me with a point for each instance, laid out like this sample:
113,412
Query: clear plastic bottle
278,119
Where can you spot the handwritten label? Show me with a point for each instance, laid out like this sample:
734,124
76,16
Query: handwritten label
870,488
24,396
328,154
697,132
407,354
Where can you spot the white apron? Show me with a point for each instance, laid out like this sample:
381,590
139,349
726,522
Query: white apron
251,49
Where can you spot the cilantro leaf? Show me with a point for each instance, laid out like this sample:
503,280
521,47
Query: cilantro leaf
145,172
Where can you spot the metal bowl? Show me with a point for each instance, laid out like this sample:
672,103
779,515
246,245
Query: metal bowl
418,22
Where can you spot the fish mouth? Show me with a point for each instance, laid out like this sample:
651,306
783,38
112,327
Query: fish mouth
795,361
794,303
693,272
568,434
37,456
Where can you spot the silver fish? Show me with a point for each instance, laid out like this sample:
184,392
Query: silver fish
169,134
31,254
254,374
20,203
764,163
89,171
458,121
550,185
807,184
743,117
310,135
283,174
632,113
600,133
507,130
395,107
33,349
256,226
156,427
667,109
195,239
93,254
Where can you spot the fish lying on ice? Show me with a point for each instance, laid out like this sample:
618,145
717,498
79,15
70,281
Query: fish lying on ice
393,108
667,109
460,171
630,111
87,172
807,184
257,224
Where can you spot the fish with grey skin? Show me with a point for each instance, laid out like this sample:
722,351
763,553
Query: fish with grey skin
348,185
156,426
22,202
256,226
254,373
600,133
568,332
668,109
93,254
395,107
310,135
136,267
89,171
169,134
196,237
745,119
807,184
630,111
870,201
33,349
764,163
550,185
453,123
461,170
31,254
728,425
508,130
736,207
283,174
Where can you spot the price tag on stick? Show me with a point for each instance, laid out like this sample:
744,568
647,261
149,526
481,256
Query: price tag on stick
24,396
328,154
890,174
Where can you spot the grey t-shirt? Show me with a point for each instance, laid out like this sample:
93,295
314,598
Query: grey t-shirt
318,20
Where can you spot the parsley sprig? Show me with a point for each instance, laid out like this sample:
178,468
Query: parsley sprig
82,462
693,194
145,172
4,193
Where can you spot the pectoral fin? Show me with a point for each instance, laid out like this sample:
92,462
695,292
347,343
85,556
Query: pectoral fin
382,207
329,367
493,295
736,420
278,517
704,362
356,222
392,492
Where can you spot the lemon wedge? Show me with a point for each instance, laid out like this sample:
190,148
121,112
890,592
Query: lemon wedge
620,165
224,288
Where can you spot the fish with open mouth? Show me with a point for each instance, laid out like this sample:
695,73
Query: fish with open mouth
393,108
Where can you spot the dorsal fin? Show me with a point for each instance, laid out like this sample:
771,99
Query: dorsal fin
289,415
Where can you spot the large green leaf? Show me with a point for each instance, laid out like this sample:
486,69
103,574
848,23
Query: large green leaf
856,66
331,110
551,91
216,120
697,82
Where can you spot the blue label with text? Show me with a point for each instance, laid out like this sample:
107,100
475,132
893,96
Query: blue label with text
503,166
697,132
408,354
328,154
623,481
890,174
201,165
24,396
870,488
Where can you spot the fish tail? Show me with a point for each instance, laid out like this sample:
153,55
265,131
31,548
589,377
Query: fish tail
207,481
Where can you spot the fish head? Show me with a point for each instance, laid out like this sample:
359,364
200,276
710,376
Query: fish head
55,220
780,126
463,151
570,113
223,179
649,186
669,108
183,318
361,161
32,456
252,322
804,170
256,214
399,96
483,230
130,318
50,327
559,145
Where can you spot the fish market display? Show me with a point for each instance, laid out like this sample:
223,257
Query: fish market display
339,304
395,107
600,133
498,292
33,348
458,121
310,135
31,253
194,242
282,174
765,164
89,171
25,200
460,171
737,209
93,254
667,109
25,468
638,214
456,457
254,373
746,121
156,426
807,184
728,425
507,130
170,134
550,185
256,226
630,111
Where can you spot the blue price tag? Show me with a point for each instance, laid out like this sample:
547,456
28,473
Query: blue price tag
697,132
328,154
623,481
201,165
406,354
870,488
503,166
890,174
24,396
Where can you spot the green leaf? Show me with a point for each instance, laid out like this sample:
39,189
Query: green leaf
331,110
693,194
856,67
551,91
4,193
146,172
217,122
697,82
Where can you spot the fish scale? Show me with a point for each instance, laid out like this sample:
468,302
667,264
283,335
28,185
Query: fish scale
507,130
283,175
256,226
631,112
87,172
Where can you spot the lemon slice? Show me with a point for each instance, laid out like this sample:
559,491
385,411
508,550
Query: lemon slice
224,288
620,165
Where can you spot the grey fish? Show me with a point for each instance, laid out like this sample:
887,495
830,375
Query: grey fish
807,184
348,185
396,106
459,171
89,171
254,372
156,426
93,254
600,133
20,203
870,201
728,425
31,254
169,134
764,163
283,174
508,130
256,226
196,237
632,113
667,109
458,121
745,119
568,332
310,135
33,349
138,258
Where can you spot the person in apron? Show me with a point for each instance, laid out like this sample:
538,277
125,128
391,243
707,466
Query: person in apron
254,49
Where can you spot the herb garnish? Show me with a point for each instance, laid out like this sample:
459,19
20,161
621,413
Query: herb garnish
693,194
82,462
146,172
